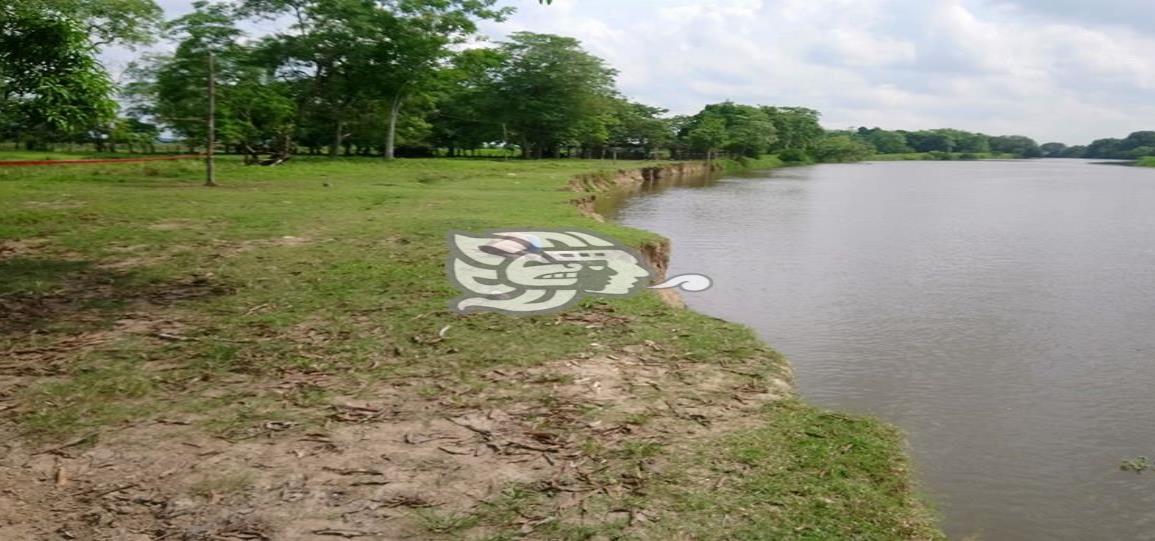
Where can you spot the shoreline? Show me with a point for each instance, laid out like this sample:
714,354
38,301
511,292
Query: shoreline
659,251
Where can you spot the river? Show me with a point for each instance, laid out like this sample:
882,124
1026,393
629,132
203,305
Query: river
1002,313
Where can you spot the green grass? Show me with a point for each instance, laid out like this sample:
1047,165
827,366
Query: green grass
806,474
1149,161
315,249
333,269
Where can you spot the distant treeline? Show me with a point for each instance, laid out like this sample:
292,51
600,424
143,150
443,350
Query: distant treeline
392,78
947,142
1136,146
385,78
953,143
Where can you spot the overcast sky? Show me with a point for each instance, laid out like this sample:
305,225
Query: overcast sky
1065,70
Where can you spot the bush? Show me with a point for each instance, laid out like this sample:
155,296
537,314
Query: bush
842,148
795,155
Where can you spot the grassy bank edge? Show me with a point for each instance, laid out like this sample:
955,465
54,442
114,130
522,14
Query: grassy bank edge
839,463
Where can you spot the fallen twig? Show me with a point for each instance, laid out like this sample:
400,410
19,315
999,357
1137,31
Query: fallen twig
70,443
348,534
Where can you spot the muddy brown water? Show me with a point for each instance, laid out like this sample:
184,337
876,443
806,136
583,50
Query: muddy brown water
1002,313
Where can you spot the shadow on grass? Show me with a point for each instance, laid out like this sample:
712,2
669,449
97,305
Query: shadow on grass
36,293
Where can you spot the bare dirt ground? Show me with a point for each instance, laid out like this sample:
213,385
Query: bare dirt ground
393,467
507,450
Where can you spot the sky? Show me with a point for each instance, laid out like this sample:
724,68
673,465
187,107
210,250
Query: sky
1055,70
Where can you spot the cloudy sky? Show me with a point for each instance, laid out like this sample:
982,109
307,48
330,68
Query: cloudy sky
1065,70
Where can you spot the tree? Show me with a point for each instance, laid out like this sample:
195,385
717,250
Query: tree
104,22
795,128
842,148
1019,145
884,142
548,91
50,81
1104,148
708,134
1077,151
639,128
930,141
1053,150
254,113
461,118
968,142
352,52
1137,144
748,130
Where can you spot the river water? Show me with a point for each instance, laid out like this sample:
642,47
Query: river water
1002,313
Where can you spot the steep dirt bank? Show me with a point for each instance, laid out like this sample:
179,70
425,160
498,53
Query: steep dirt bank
656,252
630,180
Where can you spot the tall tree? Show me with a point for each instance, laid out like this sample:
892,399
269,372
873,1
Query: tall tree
748,130
548,90
351,52
253,112
104,22
1019,145
462,118
50,81
1053,150
51,84
639,128
842,148
708,134
796,128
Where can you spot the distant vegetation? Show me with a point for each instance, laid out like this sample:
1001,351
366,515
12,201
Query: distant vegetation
395,78
947,144
386,78
1133,147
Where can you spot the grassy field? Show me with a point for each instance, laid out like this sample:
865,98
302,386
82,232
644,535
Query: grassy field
281,345
1149,161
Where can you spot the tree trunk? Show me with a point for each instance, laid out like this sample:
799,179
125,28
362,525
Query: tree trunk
335,146
391,133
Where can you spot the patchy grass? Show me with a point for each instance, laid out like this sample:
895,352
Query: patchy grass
135,300
1148,161
805,474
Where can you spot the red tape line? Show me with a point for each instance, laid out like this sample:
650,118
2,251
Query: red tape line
22,163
